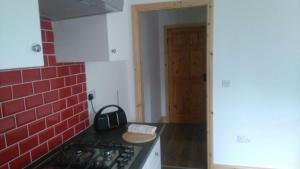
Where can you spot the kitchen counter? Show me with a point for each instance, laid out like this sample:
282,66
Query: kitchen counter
114,135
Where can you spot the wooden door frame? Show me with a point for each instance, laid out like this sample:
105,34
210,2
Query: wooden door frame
166,119
138,67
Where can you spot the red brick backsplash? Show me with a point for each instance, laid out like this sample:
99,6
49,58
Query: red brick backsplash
41,107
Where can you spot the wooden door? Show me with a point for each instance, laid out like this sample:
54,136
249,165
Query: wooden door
186,51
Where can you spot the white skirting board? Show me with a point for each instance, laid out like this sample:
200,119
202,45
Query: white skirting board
220,166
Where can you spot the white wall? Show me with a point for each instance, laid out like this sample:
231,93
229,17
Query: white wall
174,17
108,79
122,38
257,48
151,66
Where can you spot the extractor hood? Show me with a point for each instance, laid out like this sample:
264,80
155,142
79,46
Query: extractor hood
66,9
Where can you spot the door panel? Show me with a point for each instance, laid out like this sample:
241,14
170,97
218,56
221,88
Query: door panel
186,50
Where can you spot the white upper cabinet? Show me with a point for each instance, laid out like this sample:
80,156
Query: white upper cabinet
87,39
117,35
20,34
81,39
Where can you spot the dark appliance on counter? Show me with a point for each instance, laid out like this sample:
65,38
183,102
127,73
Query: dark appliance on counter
110,120
88,155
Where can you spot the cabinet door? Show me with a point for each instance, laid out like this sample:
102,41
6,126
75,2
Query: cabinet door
81,39
19,32
117,30
154,159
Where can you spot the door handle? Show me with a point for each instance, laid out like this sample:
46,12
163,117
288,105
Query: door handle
204,77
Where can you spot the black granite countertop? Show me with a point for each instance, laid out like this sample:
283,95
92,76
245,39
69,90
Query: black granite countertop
113,135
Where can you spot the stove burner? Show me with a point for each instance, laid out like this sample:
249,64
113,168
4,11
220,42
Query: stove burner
94,156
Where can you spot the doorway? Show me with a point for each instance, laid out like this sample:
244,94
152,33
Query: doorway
186,71
136,13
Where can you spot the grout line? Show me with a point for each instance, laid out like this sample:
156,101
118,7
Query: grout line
34,94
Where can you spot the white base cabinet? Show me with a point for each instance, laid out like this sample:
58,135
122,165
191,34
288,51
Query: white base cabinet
154,159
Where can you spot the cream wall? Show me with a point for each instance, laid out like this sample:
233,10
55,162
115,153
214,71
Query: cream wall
257,49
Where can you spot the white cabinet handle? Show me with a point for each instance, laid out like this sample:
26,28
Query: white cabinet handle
36,48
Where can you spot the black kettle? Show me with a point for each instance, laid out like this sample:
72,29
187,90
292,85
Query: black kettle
110,120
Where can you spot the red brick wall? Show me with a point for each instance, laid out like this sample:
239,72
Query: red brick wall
40,108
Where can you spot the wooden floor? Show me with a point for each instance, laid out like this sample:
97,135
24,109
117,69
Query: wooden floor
183,146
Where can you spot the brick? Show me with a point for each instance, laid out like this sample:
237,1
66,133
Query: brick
85,105
46,63
57,83
54,142
20,162
50,96
72,101
8,154
82,68
25,117
31,75
66,114
49,36
39,151
61,127
79,127
22,90
52,60
65,92
6,94
48,48
46,135
76,89
41,86
7,124
44,110
75,69
72,121
2,142
84,115
12,107
43,34
10,77
34,101
87,123
4,166
53,119
81,78
28,144
78,108
48,73
57,106
63,71
84,87
82,97
16,135
37,126
71,80
46,24
68,134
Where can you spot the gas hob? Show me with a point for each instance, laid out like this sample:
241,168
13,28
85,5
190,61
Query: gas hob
80,155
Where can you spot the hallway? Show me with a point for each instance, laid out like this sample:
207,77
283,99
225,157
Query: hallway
183,146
